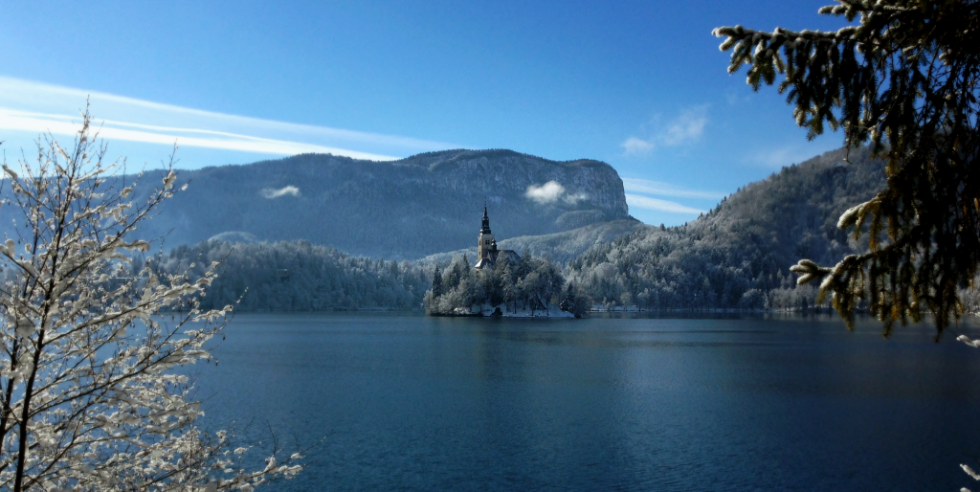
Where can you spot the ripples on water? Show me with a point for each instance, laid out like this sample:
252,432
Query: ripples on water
733,403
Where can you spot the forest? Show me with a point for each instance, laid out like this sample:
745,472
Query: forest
527,285
300,276
737,256
295,276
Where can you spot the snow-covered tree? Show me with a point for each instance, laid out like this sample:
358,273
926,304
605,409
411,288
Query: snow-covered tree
90,341
437,283
903,77
536,282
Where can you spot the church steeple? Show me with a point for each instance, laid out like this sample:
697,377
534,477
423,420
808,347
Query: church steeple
485,228
485,243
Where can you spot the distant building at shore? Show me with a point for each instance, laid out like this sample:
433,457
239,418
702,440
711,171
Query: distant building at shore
486,251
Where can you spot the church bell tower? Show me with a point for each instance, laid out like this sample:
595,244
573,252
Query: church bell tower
486,242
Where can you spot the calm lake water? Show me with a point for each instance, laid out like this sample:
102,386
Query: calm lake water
406,402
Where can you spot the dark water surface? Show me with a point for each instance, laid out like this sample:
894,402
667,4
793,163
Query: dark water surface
743,403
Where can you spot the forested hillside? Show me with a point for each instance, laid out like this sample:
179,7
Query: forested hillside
739,254
299,276
406,209
296,276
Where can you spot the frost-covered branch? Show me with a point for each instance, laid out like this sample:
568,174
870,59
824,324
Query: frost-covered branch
88,396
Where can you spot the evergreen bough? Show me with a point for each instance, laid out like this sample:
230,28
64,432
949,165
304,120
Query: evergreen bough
904,80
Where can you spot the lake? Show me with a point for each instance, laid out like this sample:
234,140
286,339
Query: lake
407,402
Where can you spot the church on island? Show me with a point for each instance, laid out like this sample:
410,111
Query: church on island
491,288
486,251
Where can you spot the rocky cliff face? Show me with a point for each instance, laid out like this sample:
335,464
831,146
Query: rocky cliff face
409,208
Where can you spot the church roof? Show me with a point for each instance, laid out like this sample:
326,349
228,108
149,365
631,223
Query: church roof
493,256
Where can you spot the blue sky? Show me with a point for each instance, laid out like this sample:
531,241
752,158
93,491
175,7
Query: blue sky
640,85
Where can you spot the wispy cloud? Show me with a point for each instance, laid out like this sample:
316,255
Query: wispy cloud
687,127
736,96
779,157
118,130
665,189
648,203
37,107
635,145
551,192
271,193
546,193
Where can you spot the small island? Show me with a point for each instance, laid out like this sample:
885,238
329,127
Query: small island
503,283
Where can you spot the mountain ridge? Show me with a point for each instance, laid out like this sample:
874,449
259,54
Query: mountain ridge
405,209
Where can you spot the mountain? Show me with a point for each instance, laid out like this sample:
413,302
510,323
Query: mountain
403,209
738,254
